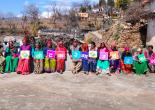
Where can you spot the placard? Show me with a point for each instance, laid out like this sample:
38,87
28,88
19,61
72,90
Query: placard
24,54
142,58
38,55
152,61
114,55
51,54
76,55
103,55
128,60
84,55
93,54
61,55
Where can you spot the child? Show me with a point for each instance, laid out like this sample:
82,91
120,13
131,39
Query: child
2,59
76,63
61,61
139,66
126,68
85,64
50,63
92,61
24,64
38,62
102,65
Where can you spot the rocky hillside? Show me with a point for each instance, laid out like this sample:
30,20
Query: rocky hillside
122,33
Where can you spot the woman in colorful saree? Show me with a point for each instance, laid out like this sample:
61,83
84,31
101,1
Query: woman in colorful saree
24,62
93,60
114,62
38,62
85,64
77,63
150,55
103,64
126,66
50,63
140,63
11,58
61,55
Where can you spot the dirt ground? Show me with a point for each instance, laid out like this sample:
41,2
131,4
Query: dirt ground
76,92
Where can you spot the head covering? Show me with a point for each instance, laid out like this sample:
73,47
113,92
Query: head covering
126,49
84,47
49,41
113,43
139,49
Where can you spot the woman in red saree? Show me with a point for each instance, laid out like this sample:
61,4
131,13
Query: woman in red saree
24,64
61,61
126,68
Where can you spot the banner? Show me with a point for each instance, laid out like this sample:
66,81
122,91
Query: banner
103,55
61,55
51,54
114,55
38,55
93,54
128,60
25,54
142,58
84,55
76,55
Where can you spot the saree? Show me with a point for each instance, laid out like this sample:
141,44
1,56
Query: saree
114,65
11,61
140,68
49,65
126,68
38,66
103,65
24,64
61,62
85,65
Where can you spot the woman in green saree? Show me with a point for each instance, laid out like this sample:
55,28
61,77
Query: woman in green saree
140,63
11,58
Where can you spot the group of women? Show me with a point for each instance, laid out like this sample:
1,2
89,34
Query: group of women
109,60
33,57
24,61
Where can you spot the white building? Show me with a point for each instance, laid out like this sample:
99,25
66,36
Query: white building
151,24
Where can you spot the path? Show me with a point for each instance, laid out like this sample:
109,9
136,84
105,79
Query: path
76,92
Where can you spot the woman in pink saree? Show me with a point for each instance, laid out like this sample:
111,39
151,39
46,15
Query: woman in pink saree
24,63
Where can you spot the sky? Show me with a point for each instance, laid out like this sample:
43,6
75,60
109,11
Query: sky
16,6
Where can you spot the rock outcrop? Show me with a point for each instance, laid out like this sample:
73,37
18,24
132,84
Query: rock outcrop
120,32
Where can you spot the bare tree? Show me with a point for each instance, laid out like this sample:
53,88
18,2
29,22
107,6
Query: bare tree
73,19
31,16
55,11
